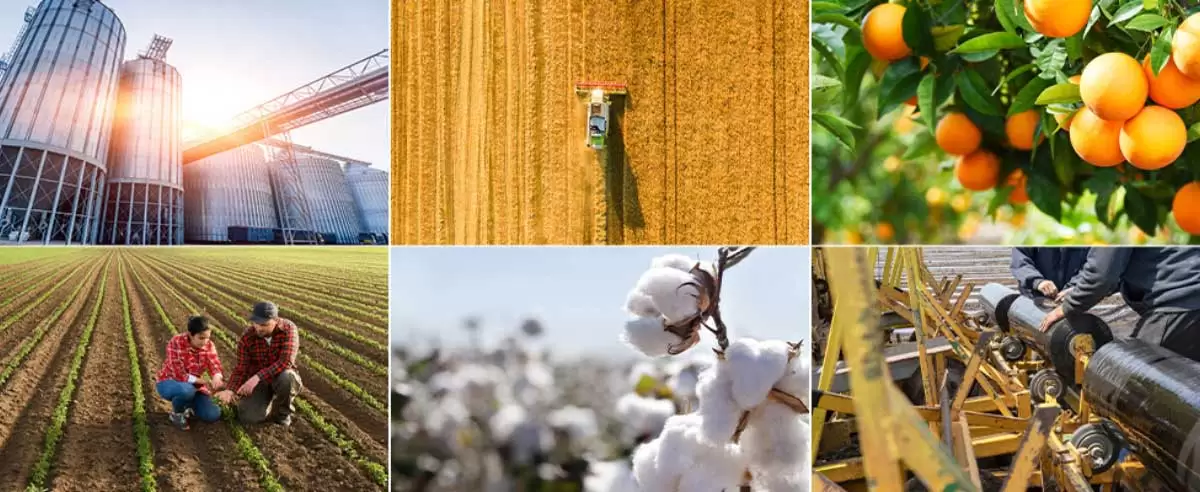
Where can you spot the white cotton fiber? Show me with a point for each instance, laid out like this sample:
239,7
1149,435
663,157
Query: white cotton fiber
643,415
580,423
683,384
753,368
646,471
718,411
641,304
674,260
609,476
506,421
648,336
776,438
796,380
668,290
777,481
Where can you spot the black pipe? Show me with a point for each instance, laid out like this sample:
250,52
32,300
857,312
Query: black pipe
1021,317
1152,395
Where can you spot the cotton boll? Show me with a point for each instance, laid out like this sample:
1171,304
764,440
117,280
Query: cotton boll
718,410
715,469
580,423
684,383
669,290
646,472
674,260
753,368
610,476
777,481
776,438
505,421
649,336
643,416
641,304
797,379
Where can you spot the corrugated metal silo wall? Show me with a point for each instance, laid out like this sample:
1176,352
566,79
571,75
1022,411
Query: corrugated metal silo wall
330,202
145,177
56,111
370,189
229,189
709,147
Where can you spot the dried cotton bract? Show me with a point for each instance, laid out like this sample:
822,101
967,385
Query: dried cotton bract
666,294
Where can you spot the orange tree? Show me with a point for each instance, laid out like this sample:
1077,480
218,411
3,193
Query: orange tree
1065,106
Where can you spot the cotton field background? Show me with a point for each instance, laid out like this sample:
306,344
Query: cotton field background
589,369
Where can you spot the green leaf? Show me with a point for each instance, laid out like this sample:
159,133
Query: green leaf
1059,94
917,30
1102,183
852,80
924,144
1126,12
990,42
946,37
838,126
1045,194
821,7
820,82
974,92
1194,133
1141,209
838,19
999,199
1065,162
1160,53
1147,22
926,100
1028,96
1012,75
1150,4
1051,59
1004,13
899,84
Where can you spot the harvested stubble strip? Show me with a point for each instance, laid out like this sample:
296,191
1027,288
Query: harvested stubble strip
141,429
41,470
33,305
28,345
374,470
245,445
179,275
283,299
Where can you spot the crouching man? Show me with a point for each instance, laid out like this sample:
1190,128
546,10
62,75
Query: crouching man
265,378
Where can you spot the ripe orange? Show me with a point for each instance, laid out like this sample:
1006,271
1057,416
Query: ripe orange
1185,47
1171,88
1095,140
1019,194
1020,128
1186,208
1058,18
957,135
884,231
1153,139
1114,86
883,32
978,171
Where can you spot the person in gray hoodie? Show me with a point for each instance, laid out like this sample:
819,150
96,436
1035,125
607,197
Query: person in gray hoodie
1161,284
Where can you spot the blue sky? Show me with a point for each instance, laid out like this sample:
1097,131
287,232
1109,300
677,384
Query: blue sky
236,54
579,293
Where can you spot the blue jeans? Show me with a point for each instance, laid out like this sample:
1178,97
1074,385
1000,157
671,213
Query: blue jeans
184,396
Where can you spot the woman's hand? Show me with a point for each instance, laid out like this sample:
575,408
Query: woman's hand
225,397
218,382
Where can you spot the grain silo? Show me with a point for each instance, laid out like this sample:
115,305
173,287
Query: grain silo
144,204
331,207
370,189
57,102
229,195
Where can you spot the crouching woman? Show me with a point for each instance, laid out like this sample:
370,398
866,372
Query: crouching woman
189,356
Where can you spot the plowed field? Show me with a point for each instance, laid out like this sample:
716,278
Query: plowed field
710,146
83,333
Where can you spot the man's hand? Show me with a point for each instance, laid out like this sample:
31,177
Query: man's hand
1062,296
218,382
225,396
248,387
1047,288
1052,317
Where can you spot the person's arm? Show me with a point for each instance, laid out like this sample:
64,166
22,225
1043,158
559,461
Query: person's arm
287,356
239,375
212,361
1024,270
1075,254
1100,275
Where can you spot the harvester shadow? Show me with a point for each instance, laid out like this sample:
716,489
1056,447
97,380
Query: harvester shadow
624,202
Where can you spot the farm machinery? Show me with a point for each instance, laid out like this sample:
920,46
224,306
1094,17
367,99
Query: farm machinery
986,400
599,96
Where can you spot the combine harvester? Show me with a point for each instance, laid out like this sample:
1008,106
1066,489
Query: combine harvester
1000,405
599,96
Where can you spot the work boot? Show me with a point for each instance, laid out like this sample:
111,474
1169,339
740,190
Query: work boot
179,420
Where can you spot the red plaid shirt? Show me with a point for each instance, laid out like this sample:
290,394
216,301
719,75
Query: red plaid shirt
184,362
256,357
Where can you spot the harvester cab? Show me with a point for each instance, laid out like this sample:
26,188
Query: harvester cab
599,96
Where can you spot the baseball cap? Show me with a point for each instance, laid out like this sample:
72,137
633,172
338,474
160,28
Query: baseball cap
263,312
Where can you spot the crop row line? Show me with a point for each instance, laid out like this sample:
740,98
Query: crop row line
325,301
13,318
38,273
356,286
297,280
375,470
246,446
297,316
141,429
41,470
284,299
32,340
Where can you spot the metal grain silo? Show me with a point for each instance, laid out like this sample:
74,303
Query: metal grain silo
56,110
370,189
144,204
330,203
228,190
